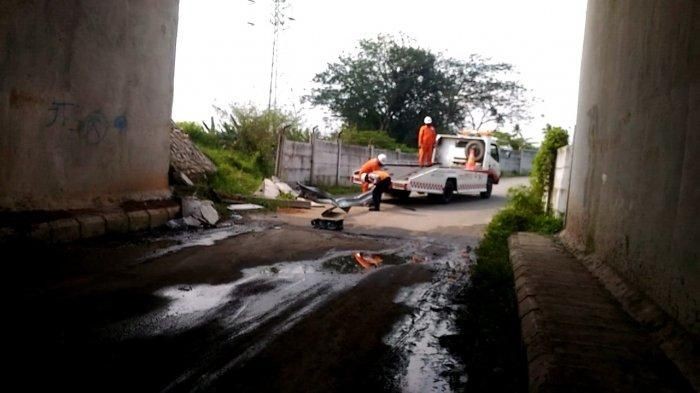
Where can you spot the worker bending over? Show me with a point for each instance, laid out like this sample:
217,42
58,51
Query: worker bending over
370,166
381,181
426,142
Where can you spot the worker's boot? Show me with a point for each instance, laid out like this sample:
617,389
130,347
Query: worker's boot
374,208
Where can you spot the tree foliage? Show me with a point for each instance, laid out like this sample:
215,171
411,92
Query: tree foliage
376,138
390,85
515,139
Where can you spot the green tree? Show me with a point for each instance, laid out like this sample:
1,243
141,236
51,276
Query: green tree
390,85
377,138
516,140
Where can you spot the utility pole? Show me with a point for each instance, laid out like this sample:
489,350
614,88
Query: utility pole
278,20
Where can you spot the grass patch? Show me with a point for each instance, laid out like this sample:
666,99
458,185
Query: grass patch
490,324
236,173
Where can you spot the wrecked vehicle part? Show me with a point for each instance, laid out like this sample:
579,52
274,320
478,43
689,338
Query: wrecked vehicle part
345,203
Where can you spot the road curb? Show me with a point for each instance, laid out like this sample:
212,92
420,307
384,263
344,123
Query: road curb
578,336
87,226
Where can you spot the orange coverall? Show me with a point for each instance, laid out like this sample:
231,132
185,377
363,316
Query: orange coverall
369,167
426,142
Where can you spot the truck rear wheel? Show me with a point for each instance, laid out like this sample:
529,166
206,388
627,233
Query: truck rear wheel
447,193
489,187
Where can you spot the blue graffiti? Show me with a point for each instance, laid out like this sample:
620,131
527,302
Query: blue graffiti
92,129
120,123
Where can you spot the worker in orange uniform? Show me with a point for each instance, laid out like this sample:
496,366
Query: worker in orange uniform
381,181
373,164
426,142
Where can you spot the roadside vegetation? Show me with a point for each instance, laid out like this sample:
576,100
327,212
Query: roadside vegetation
242,144
490,325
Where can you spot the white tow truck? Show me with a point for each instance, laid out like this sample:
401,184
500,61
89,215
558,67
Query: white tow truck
449,174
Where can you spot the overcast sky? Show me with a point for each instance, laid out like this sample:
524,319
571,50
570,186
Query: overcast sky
222,58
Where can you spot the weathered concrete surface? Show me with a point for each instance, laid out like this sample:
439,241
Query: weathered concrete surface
635,197
86,93
577,336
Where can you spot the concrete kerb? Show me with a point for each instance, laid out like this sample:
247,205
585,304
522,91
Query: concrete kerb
670,337
573,329
139,220
91,226
65,230
85,226
117,222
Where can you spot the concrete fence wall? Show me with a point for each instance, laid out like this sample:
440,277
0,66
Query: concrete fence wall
332,162
329,163
562,174
519,162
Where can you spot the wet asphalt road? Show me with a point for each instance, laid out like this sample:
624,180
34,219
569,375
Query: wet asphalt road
265,307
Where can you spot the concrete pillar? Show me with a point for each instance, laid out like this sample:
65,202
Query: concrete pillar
635,197
86,93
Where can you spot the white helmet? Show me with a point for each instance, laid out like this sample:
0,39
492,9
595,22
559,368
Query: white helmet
427,120
382,158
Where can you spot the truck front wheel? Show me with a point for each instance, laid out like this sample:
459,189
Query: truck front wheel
489,186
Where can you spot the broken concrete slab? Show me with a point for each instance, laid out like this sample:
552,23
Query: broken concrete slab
268,190
192,222
209,214
284,188
244,206
190,206
202,210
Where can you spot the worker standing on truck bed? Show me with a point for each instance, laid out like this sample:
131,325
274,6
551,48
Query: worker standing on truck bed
381,181
373,164
426,142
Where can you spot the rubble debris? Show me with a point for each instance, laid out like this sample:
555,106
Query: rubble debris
186,158
268,190
200,210
209,214
273,188
192,222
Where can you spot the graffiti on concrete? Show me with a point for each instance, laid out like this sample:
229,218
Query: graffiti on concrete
120,123
59,112
91,129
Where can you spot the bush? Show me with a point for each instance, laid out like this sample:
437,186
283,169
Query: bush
491,322
542,176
